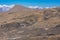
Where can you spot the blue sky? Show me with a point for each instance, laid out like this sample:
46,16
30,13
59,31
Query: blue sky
42,3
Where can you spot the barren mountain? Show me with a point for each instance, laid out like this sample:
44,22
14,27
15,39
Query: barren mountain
21,23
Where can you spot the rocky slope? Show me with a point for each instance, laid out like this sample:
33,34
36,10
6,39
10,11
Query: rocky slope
22,23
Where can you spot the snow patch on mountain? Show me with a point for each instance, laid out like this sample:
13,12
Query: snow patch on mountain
4,8
38,7
35,7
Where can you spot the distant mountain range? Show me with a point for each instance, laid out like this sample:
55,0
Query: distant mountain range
4,8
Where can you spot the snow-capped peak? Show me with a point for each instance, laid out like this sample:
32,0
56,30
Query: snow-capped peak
4,8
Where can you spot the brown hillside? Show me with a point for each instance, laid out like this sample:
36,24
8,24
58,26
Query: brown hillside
21,23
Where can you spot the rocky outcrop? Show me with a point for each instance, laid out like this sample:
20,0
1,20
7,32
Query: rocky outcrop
50,13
